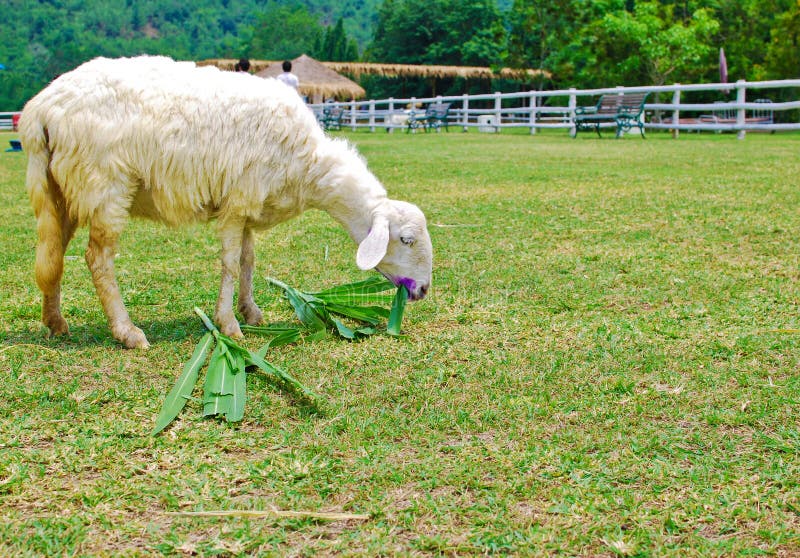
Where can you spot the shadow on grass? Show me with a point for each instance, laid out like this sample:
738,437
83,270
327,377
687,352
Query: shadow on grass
82,336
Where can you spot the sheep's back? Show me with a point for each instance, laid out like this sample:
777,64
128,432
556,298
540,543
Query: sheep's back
176,141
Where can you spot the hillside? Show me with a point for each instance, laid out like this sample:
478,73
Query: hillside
49,38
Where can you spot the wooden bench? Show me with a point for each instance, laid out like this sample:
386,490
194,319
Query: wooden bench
623,110
436,115
331,118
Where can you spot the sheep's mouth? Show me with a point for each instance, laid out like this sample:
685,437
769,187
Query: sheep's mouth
414,292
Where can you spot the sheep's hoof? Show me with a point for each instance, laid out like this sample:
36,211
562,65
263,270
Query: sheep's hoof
131,336
57,325
232,329
252,314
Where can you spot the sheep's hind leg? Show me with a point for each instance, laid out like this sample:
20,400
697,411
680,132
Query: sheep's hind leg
55,230
100,259
230,234
247,306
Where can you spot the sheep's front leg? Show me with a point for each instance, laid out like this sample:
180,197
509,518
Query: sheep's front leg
247,306
100,259
230,235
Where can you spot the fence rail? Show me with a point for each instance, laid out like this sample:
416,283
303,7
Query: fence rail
7,120
537,110
556,109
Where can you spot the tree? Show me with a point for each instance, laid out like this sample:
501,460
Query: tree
283,32
334,45
457,32
783,54
548,35
657,47
445,32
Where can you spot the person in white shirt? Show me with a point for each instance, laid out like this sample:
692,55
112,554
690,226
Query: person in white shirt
288,77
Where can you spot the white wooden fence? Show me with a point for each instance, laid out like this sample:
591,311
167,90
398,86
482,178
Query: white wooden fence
556,109
6,119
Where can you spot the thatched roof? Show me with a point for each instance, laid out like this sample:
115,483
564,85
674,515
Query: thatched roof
230,64
418,70
317,80
357,69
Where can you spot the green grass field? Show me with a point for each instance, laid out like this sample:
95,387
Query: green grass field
607,365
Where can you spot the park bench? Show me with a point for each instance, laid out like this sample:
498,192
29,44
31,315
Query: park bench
331,118
435,116
624,110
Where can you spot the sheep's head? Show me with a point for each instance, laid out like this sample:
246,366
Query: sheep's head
399,247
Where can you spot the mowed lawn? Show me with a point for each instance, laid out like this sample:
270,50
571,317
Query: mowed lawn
608,364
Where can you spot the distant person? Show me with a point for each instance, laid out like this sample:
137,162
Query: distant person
243,65
288,77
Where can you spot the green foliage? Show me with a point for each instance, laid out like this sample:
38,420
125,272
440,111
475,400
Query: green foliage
334,45
283,32
44,39
225,385
182,391
445,32
581,43
783,55
660,47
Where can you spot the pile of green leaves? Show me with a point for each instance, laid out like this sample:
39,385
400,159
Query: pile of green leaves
225,387
360,302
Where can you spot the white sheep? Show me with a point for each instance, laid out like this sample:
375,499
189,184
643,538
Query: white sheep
169,141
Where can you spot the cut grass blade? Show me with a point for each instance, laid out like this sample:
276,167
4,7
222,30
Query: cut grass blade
182,390
367,292
311,314
370,314
396,315
238,398
356,301
218,387
289,336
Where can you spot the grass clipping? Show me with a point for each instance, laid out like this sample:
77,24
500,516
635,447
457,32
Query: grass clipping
225,387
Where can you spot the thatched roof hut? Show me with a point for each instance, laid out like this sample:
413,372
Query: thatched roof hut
317,81
322,80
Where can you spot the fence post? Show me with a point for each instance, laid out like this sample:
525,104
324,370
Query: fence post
741,95
390,123
464,111
372,115
353,114
676,113
498,104
532,118
573,103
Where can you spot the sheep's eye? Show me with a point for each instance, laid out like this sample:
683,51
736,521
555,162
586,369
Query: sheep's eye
407,240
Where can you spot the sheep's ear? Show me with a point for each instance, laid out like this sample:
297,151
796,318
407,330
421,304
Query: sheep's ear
373,248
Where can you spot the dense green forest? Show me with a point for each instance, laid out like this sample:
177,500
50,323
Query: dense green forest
581,43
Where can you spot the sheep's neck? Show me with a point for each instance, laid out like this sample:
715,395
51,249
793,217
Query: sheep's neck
352,202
